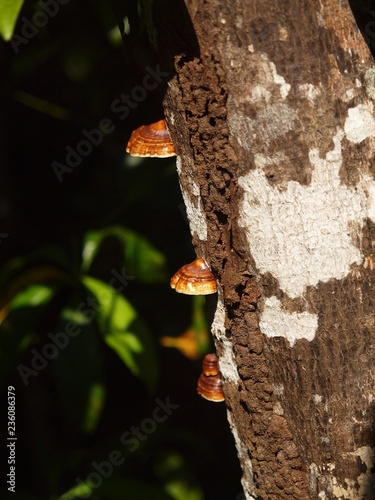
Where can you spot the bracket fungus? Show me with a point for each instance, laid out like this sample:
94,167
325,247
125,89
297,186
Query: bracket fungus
151,140
195,278
210,386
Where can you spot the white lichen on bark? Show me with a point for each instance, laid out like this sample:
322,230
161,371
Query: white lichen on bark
351,489
229,374
274,121
243,455
227,363
306,234
274,322
309,91
278,79
193,205
359,124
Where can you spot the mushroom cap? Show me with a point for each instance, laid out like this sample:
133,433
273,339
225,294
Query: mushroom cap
195,278
151,140
210,388
210,365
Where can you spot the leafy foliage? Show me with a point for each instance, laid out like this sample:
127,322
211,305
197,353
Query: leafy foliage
9,11
124,332
141,258
110,314
84,292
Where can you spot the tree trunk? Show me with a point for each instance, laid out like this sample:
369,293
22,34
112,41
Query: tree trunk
271,113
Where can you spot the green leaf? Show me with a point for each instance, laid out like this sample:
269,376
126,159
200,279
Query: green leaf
17,331
120,488
199,323
140,257
179,490
180,484
124,332
127,346
79,374
91,246
32,296
76,316
114,313
43,264
82,490
9,11
116,488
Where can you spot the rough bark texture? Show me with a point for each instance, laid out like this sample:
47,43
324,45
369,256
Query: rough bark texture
271,113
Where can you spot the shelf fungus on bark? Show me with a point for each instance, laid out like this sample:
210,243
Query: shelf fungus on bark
210,386
195,278
151,140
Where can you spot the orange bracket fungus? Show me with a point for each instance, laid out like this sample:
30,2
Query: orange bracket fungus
195,278
151,140
210,386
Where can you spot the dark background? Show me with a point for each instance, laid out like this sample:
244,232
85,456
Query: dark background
63,80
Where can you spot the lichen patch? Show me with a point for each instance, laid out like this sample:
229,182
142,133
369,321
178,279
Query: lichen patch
317,398
309,92
274,322
227,364
280,80
371,200
360,124
269,123
194,209
243,455
348,488
306,234
370,82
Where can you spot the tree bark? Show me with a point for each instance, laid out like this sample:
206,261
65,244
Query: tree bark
271,114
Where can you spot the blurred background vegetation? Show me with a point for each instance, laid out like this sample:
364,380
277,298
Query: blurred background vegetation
93,255
63,246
